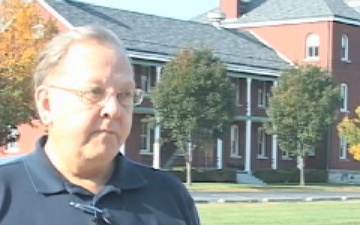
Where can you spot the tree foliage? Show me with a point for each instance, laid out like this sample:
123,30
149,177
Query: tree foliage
302,106
22,33
349,129
194,99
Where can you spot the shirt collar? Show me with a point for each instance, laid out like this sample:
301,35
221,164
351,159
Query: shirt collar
46,179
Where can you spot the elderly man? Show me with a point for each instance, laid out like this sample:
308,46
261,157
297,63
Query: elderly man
85,94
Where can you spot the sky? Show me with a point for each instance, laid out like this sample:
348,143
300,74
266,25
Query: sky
179,9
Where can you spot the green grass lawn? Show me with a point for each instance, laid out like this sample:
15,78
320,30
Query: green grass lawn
314,213
231,187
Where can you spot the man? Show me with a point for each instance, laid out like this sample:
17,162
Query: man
85,94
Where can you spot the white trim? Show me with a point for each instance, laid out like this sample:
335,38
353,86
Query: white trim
252,70
57,15
148,56
289,22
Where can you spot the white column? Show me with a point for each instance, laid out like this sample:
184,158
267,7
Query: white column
248,126
219,154
274,154
157,132
122,149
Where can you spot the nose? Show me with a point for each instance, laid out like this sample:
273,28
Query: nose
111,108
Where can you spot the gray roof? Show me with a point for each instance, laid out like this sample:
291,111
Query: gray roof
165,36
279,10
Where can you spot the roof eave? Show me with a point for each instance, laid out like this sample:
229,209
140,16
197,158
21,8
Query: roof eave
235,25
230,66
57,15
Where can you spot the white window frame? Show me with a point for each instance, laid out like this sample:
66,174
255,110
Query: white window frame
345,48
312,46
261,153
234,141
344,97
146,79
262,95
145,135
285,155
343,149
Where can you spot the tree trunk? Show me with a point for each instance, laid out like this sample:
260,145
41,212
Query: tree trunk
301,167
188,165
188,173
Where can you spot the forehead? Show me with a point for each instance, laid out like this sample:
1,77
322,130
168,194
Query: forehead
91,61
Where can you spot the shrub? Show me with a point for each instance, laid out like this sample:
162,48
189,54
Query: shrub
291,176
207,175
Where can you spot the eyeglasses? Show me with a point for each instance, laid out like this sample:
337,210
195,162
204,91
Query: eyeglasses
98,95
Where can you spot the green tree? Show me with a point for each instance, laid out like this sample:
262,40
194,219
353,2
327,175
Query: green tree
194,101
302,106
22,33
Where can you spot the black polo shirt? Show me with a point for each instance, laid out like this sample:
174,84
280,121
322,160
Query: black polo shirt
32,192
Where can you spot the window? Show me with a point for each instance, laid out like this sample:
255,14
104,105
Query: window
234,141
312,46
311,151
343,149
261,142
145,138
263,95
146,79
285,155
237,92
344,97
344,48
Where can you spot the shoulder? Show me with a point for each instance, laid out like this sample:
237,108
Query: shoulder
173,194
156,174
158,179
10,160
10,164
12,170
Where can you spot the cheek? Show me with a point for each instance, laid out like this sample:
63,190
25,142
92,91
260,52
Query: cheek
124,123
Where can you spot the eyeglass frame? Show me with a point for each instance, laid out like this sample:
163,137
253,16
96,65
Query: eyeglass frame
105,98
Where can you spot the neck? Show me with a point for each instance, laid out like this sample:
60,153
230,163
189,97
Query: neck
89,174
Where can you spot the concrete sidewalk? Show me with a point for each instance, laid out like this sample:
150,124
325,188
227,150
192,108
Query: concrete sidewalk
273,196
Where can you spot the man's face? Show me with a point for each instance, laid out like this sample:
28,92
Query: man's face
88,127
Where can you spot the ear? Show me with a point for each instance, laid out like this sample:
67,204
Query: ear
42,102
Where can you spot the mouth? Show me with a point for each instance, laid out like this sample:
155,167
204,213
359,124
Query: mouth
107,133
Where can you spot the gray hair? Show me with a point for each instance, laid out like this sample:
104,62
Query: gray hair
57,48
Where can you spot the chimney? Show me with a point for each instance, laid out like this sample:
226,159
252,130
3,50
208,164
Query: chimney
232,8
